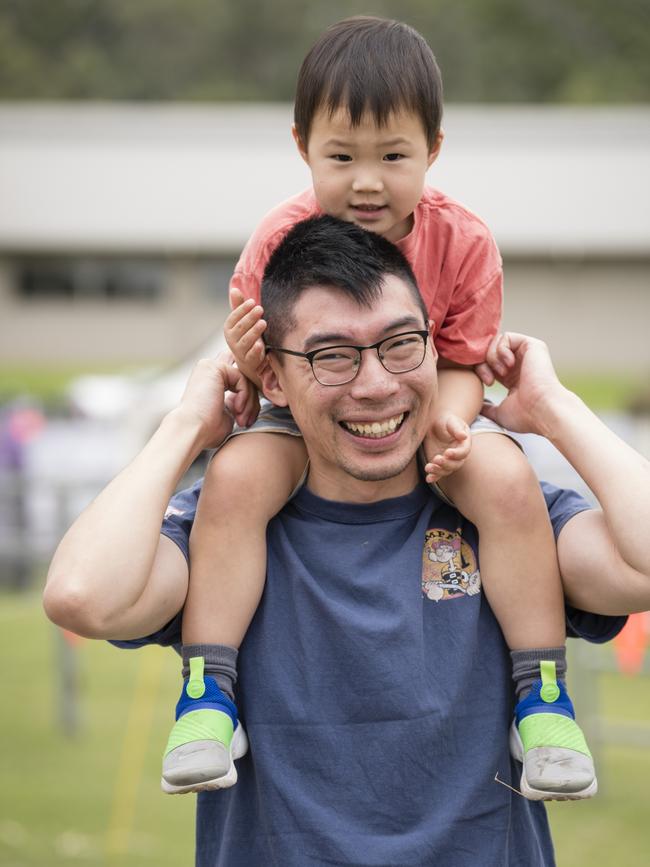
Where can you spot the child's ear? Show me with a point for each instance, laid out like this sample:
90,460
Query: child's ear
302,147
271,383
435,150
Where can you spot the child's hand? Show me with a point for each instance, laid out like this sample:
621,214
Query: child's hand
446,446
243,330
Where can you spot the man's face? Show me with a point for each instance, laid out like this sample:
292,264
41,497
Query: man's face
346,463
367,174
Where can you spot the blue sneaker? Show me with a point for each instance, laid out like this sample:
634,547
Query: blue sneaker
557,764
205,740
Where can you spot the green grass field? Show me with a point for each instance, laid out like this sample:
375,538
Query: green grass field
93,799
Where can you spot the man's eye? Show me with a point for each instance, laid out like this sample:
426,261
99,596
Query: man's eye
333,355
406,340
342,158
393,158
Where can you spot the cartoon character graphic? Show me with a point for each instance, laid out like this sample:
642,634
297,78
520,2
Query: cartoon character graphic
449,569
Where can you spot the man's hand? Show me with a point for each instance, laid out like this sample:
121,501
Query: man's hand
204,400
523,365
243,330
446,446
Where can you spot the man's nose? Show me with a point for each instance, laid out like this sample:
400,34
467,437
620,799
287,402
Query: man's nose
373,381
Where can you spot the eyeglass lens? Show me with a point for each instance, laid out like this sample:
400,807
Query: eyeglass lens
398,354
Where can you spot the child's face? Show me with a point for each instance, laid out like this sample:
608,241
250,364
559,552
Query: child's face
367,174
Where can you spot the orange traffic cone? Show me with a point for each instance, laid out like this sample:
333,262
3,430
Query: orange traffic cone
631,643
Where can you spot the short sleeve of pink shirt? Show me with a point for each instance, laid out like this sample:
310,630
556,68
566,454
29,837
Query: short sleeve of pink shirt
453,255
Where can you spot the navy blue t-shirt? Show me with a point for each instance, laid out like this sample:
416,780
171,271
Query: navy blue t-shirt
374,684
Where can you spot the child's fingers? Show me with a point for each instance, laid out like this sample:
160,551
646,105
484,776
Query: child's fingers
443,465
250,341
237,326
236,297
256,354
457,430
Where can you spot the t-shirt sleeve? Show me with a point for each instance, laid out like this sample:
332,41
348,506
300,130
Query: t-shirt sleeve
179,517
563,504
474,313
177,526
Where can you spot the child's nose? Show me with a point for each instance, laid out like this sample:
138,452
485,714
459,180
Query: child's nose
367,182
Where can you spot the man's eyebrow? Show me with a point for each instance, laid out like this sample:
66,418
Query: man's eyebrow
334,338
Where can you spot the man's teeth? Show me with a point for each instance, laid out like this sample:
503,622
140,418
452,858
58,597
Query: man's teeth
375,429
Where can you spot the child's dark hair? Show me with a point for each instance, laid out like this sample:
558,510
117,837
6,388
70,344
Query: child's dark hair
326,251
369,64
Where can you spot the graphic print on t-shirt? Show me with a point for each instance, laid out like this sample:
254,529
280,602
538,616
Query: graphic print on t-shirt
449,569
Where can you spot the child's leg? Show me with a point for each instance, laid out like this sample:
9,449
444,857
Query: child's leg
498,491
247,483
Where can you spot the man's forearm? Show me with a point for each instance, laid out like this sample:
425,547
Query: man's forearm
617,474
102,565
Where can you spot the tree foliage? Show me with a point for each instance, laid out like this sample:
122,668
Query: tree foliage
489,50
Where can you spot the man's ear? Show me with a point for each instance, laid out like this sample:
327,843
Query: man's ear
435,150
302,146
271,383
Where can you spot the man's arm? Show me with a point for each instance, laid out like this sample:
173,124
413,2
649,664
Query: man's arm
113,574
604,554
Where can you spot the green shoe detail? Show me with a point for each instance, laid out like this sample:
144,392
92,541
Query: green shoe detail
201,725
195,685
552,730
550,691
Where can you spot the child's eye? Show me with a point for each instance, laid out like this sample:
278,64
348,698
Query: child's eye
341,158
393,158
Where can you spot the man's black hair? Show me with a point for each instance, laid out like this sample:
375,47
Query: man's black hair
326,251
375,65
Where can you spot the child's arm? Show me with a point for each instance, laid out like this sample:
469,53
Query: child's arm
448,443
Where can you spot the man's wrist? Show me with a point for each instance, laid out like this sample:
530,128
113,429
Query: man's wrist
188,431
553,410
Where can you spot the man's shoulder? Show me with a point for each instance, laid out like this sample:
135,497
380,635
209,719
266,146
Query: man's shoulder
273,227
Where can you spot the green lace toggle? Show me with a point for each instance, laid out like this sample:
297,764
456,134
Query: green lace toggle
550,691
195,685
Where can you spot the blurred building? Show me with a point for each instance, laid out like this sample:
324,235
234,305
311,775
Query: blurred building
120,223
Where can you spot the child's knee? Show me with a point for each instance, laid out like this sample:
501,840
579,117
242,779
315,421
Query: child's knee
251,476
501,483
513,492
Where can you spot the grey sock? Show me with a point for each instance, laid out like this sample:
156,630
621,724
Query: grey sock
220,662
526,670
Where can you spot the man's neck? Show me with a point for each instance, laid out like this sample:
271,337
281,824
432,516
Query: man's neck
344,488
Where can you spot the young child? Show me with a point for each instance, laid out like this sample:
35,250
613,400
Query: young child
367,123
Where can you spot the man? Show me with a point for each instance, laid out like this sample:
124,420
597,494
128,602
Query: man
377,712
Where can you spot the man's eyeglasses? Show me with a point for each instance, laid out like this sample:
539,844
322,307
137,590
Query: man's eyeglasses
337,365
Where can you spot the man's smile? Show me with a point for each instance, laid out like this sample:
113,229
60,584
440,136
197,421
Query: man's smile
375,429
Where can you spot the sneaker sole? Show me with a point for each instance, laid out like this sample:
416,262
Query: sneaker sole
532,794
238,748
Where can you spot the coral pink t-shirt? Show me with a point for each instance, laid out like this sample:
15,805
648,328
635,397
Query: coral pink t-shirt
453,255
